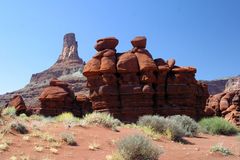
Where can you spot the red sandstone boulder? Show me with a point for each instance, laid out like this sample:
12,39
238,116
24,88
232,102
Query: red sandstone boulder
108,65
56,82
109,53
139,42
145,62
106,43
160,62
57,99
92,67
184,70
127,63
18,103
53,93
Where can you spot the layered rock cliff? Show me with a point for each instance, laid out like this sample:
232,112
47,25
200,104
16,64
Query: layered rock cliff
68,67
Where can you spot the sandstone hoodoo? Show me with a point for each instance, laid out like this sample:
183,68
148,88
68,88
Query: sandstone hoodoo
226,105
132,83
135,81
101,77
68,67
56,99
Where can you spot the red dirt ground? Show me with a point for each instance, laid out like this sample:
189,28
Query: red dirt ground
196,149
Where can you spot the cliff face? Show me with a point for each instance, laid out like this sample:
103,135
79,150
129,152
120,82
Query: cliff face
216,86
68,67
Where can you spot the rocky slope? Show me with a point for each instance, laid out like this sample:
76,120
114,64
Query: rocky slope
68,67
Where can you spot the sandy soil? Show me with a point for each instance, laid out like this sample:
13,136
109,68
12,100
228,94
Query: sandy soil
195,149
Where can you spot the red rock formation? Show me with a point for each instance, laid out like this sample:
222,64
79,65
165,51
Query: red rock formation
177,90
18,103
226,105
56,99
135,81
101,76
132,84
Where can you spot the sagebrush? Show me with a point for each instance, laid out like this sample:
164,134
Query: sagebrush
103,119
137,147
189,126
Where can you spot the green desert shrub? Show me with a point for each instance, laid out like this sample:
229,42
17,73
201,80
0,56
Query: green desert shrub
221,149
174,131
162,125
217,125
103,119
9,111
69,138
66,117
189,126
137,147
19,127
157,123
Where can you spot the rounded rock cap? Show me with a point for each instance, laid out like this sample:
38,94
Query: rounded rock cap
106,43
139,42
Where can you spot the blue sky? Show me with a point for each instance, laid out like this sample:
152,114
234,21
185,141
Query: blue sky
200,33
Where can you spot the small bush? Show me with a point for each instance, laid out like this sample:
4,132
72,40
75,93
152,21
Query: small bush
162,125
174,130
69,139
217,125
157,123
9,111
188,125
150,132
18,127
103,119
137,147
43,135
219,148
66,117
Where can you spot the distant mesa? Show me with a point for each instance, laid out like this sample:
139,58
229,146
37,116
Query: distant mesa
224,84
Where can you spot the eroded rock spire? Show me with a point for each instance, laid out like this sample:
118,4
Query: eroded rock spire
70,49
